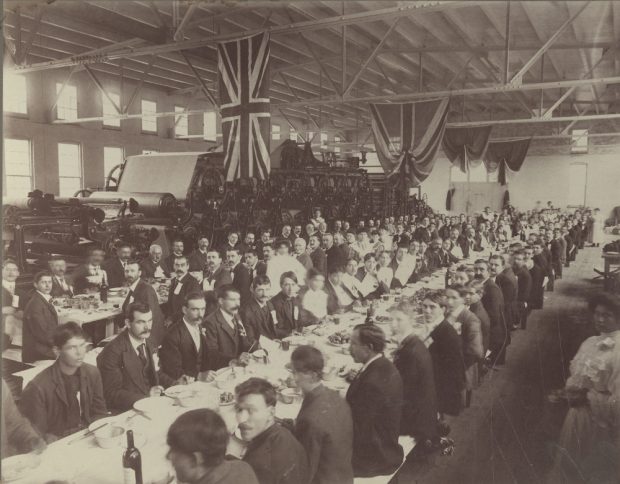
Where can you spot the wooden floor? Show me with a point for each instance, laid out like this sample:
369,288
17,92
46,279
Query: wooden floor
507,435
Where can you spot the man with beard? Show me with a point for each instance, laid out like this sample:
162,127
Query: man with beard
115,266
239,273
126,363
198,258
60,285
67,396
224,331
299,246
182,284
493,302
524,287
140,291
248,243
178,249
257,313
153,267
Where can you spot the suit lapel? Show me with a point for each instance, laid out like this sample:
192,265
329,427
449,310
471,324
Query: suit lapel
187,340
61,393
225,326
133,364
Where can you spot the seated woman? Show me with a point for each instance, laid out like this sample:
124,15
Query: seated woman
414,363
591,429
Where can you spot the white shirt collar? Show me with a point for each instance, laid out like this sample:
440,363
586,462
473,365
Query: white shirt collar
230,319
9,286
133,286
135,342
47,297
194,331
367,364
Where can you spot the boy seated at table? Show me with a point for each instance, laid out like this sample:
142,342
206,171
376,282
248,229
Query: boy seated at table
67,396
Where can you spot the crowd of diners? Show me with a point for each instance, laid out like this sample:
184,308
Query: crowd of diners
221,300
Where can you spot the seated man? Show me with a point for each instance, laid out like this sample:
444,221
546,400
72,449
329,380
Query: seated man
197,440
274,454
286,306
183,353
68,395
115,266
18,436
445,258
13,302
126,363
91,272
40,321
257,313
324,425
178,250
61,287
153,267
284,262
350,281
299,246
313,299
224,331
198,258
403,265
339,297
239,273
181,285
255,266
217,274
140,291
369,284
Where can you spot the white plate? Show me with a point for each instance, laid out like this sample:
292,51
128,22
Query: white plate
153,405
19,466
98,423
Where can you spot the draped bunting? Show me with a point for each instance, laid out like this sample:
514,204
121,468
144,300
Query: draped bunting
507,156
407,136
449,197
465,146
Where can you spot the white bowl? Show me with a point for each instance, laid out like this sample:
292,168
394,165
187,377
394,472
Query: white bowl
109,436
152,406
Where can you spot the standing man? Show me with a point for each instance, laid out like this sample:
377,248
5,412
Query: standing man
127,367
524,287
115,266
60,285
239,273
324,425
40,321
182,285
507,282
152,267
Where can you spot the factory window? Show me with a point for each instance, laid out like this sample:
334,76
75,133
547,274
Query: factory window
579,141
17,167
292,134
180,122
149,123
210,125
67,105
69,169
110,110
275,132
15,94
323,139
336,140
112,156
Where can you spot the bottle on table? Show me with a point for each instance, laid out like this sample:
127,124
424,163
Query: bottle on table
132,462
103,291
370,314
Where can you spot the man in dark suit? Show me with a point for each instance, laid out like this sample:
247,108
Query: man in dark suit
13,302
239,273
178,250
336,254
40,321
257,313
198,258
524,287
493,302
142,292
182,285
286,306
248,243
446,258
507,282
68,395
91,272
317,254
375,397
115,266
232,242
153,267
422,233
217,274
339,296
224,331
401,238
255,266
183,353
324,425
126,363
61,286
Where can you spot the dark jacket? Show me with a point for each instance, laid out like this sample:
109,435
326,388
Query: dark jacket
524,284
145,294
493,302
336,257
124,380
16,433
277,458
148,268
414,363
485,324
79,278
537,291
241,280
57,289
287,315
258,320
446,259
223,342
507,282
319,260
178,354
376,398
189,285
231,471
220,277
471,337
44,401
115,272
422,234
324,427
197,261
448,368
333,304
40,321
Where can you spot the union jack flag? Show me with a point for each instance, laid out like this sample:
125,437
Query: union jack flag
244,97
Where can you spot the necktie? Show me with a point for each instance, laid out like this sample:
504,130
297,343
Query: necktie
142,354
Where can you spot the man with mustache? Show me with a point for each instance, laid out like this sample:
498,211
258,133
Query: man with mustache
60,285
153,267
182,284
115,266
198,258
128,368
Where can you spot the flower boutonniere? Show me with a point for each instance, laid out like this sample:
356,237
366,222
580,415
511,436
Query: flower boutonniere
606,344
203,331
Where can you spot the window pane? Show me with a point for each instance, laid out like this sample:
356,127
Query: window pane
66,108
69,160
68,186
112,156
180,127
110,110
18,186
275,132
210,125
323,138
17,157
149,123
15,99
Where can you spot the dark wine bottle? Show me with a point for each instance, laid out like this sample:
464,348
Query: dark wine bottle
103,291
132,462
370,314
